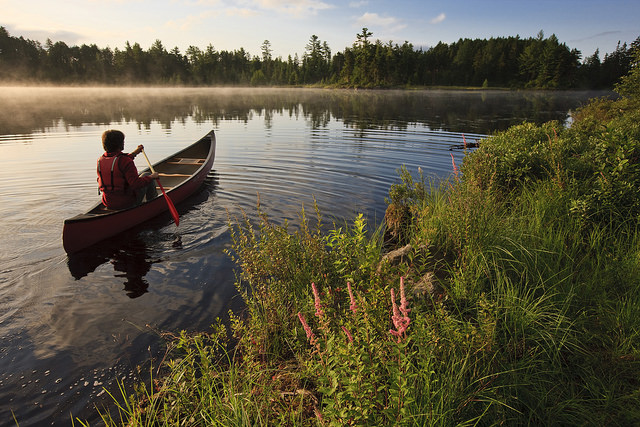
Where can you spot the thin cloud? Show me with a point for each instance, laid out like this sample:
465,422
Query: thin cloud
190,3
373,19
102,2
69,37
357,4
438,19
241,12
190,21
293,7
595,36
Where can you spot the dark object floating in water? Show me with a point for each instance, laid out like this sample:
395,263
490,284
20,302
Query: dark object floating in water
474,144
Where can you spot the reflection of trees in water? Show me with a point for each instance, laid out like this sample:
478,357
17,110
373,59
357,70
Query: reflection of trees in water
25,110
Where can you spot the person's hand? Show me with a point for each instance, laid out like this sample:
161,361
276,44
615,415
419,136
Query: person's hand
138,149
155,175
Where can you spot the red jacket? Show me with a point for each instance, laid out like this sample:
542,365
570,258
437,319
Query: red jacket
118,179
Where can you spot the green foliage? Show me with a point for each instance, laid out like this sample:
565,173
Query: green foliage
349,366
365,376
629,84
409,191
258,78
595,162
505,62
516,157
355,252
406,202
276,268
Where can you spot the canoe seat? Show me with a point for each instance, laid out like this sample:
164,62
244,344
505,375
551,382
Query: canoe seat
177,175
186,161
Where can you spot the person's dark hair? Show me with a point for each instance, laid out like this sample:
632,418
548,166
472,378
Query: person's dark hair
112,140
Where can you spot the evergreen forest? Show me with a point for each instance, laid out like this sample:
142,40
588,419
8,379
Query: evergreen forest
504,62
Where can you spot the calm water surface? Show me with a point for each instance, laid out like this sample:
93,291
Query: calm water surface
71,326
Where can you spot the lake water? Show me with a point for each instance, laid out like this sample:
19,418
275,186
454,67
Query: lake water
71,326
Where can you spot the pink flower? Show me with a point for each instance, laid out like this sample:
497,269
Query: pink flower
455,168
316,296
310,335
400,316
403,300
353,306
396,312
349,336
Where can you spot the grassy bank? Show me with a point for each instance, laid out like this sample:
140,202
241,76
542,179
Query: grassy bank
508,295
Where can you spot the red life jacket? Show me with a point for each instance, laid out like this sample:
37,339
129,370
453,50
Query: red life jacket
110,176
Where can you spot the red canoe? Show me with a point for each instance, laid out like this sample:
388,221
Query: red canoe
180,174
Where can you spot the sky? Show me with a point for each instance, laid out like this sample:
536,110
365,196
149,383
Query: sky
288,25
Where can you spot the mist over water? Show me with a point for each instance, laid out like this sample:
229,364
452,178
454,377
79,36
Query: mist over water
32,109
70,326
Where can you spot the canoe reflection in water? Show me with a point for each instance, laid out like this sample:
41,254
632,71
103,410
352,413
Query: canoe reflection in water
133,266
130,261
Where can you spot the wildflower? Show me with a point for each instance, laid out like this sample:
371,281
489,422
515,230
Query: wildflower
353,306
400,316
455,168
348,334
403,301
316,296
310,335
396,312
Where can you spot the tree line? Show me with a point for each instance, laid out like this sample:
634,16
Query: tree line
536,62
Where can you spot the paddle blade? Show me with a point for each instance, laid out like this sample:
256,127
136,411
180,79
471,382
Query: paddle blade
172,208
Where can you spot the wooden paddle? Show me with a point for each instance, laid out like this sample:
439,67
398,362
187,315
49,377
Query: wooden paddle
172,208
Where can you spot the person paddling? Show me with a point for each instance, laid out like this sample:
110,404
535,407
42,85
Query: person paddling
118,178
